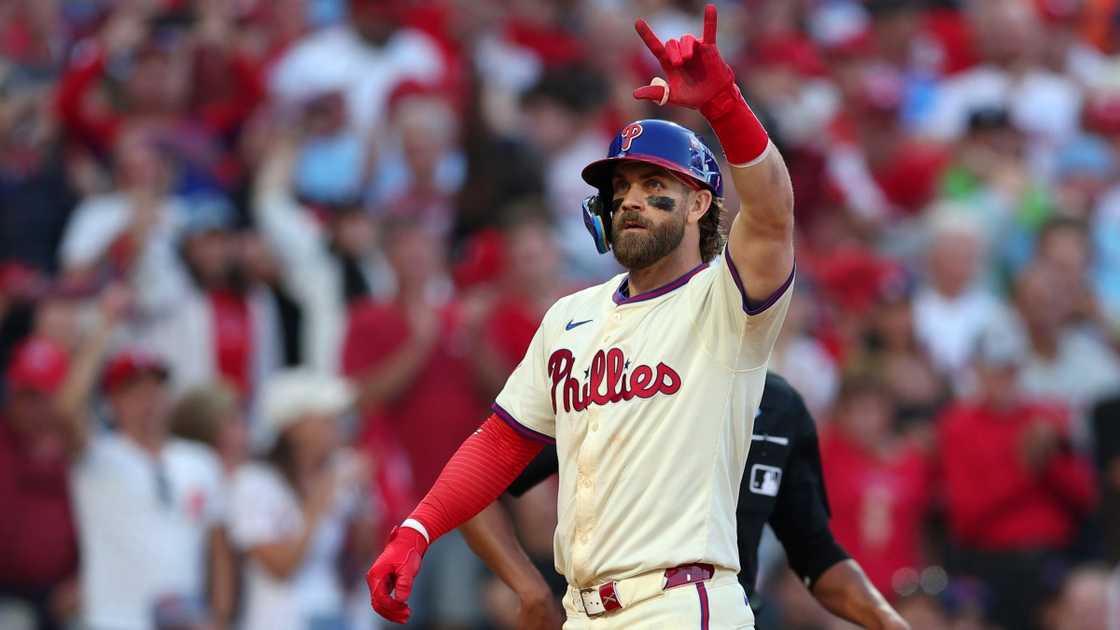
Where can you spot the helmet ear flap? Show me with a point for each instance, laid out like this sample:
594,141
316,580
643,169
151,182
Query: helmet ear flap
597,221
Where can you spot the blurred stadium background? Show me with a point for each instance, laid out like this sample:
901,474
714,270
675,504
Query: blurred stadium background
212,211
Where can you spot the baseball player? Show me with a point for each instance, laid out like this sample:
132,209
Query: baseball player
647,384
782,485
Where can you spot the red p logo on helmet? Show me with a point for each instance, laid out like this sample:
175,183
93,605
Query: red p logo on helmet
633,130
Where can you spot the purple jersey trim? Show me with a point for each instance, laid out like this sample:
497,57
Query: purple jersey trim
523,430
621,298
774,297
703,592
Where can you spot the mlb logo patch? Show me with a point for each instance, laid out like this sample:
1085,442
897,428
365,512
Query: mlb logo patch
765,480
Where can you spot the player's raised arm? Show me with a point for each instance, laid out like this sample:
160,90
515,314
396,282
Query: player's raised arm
696,76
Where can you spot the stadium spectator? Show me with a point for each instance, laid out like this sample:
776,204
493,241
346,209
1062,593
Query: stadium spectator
38,543
908,373
1010,74
409,358
1016,492
562,122
36,192
227,323
530,280
364,59
132,231
420,168
1064,247
1066,362
150,508
302,510
326,263
950,310
990,177
878,486
211,415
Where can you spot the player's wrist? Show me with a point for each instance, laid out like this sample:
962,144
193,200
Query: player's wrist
742,135
411,533
723,102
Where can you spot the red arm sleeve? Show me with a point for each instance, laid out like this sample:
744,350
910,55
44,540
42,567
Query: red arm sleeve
475,475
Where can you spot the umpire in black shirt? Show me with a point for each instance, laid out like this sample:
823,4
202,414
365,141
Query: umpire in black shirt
782,485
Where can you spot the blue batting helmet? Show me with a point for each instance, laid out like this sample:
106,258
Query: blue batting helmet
652,141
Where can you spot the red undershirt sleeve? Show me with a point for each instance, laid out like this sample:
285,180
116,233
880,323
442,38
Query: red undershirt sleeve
475,475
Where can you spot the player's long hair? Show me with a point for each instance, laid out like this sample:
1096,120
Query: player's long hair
711,233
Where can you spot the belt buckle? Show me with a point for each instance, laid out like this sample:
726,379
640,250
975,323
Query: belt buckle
687,574
599,600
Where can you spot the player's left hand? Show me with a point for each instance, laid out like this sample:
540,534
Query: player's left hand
695,72
392,574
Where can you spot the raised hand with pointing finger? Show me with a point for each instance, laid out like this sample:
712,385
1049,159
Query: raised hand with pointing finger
695,72
697,77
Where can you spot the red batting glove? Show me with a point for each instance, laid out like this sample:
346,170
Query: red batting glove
697,77
695,73
392,574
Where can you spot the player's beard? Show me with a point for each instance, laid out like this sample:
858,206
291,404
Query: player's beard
638,249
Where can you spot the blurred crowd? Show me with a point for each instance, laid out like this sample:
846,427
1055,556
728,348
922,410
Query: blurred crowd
264,263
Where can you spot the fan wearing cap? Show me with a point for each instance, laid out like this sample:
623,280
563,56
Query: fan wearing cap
38,547
648,384
150,507
292,513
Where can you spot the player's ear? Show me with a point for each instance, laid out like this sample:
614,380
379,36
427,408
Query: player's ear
699,201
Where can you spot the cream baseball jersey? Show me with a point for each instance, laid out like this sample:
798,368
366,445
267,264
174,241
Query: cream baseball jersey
650,399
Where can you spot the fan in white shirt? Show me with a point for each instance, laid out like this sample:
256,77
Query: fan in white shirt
363,60
149,507
292,513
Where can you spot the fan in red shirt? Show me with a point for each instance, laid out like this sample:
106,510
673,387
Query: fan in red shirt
528,281
1016,491
409,356
878,485
38,548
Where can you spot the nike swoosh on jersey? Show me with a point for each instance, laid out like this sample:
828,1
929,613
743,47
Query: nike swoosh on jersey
572,324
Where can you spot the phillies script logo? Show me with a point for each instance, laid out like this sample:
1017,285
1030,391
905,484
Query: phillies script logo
633,130
608,380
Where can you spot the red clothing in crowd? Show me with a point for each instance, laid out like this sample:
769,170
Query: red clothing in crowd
441,407
877,505
510,328
96,126
994,501
235,87
233,338
38,547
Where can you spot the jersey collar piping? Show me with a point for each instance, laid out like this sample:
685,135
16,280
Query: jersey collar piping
621,296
